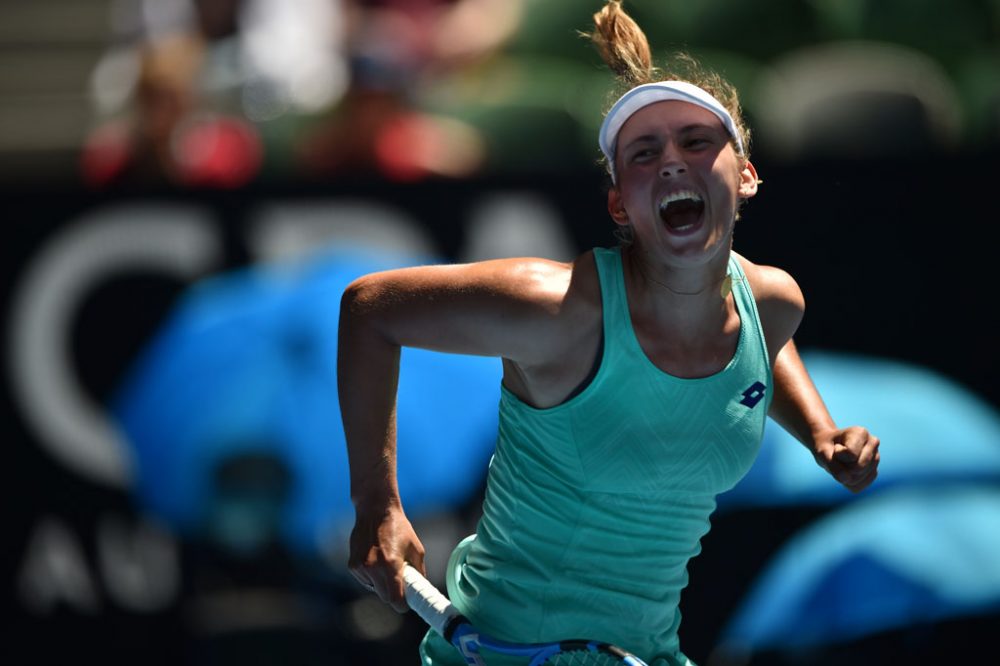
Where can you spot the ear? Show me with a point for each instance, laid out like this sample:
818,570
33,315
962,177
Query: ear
748,181
616,208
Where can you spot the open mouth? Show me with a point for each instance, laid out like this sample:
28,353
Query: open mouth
681,210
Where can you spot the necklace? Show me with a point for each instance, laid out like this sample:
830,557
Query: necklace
725,288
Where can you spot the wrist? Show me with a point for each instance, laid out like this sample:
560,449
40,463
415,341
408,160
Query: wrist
377,492
375,499
373,482
820,432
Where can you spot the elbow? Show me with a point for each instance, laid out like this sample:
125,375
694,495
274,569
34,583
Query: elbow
358,303
363,310
360,297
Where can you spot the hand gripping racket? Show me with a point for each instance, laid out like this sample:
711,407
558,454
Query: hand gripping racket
435,609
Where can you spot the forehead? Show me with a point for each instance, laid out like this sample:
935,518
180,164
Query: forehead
667,116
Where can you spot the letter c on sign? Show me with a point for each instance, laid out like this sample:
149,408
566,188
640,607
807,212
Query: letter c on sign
172,239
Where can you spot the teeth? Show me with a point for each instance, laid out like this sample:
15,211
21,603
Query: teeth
680,195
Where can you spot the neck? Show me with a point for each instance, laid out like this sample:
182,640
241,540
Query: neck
717,286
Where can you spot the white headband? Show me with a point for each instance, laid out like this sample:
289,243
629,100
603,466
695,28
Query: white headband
650,93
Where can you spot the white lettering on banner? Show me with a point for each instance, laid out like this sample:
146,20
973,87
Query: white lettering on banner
281,231
55,571
139,564
173,239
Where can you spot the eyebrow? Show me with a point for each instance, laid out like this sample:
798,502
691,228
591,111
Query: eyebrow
687,129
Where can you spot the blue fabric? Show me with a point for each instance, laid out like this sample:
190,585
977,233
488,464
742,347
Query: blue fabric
900,558
246,363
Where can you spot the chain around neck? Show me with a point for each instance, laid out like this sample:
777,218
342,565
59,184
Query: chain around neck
725,286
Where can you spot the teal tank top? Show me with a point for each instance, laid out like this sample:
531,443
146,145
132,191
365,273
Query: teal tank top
594,507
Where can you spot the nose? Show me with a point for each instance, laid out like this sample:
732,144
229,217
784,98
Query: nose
672,163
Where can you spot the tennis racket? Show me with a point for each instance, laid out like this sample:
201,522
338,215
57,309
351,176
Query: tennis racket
435,609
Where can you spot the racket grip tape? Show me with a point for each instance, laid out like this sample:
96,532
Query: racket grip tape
427,601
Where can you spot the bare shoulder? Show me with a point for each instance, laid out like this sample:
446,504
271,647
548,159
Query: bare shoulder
559,322
566,297
772,285
565,341
515,308
780,302
542,281
561,288
524,280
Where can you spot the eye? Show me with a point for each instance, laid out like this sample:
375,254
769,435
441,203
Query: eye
698,142
642,155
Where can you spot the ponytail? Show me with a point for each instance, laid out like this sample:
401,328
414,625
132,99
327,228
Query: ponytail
625,50
623,45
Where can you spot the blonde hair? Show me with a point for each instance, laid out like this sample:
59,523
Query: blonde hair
624,48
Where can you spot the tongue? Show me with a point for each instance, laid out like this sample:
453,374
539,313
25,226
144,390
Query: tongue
682,213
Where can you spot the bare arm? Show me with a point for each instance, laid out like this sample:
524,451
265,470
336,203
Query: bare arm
850,454
501,308
797,406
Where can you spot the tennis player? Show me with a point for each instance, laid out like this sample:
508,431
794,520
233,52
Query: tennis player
636,382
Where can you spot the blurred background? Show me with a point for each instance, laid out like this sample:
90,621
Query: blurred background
188,185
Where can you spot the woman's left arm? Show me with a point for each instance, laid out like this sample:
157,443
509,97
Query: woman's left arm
850,455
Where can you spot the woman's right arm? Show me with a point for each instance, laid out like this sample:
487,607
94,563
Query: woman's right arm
497,308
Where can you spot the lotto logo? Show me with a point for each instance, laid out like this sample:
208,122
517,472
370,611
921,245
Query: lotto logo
753,395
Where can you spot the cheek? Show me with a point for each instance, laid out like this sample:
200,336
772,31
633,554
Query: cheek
633,177
632,191
726,181
727,166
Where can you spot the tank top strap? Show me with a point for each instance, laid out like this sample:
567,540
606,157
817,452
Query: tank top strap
614,303
753,330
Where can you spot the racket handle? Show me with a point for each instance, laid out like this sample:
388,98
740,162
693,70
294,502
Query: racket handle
427,601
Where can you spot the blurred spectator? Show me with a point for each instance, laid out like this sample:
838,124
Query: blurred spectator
860,100
193,85
395,47
169,137
409,89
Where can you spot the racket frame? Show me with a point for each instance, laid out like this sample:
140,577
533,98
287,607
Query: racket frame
438,612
